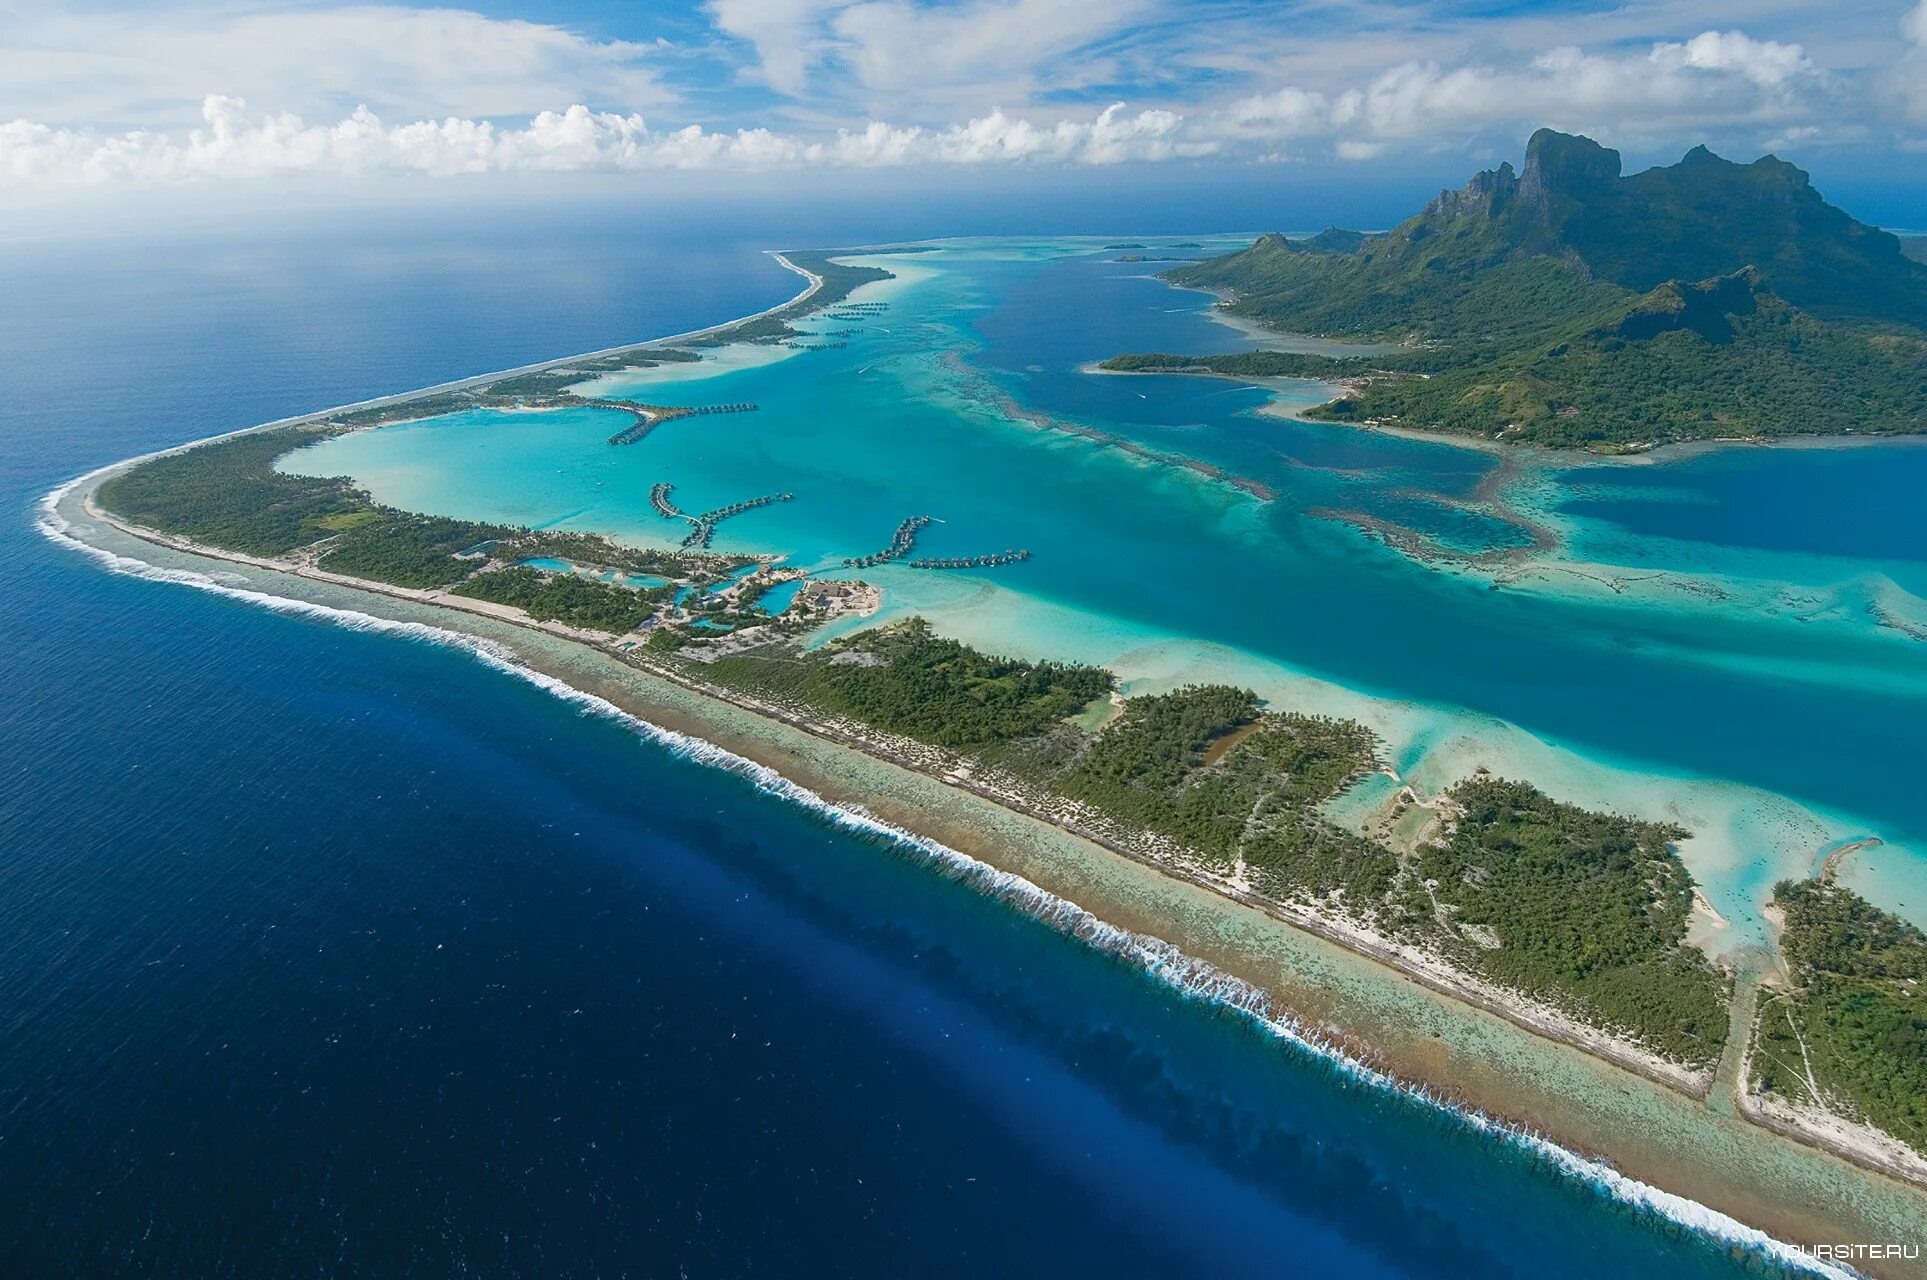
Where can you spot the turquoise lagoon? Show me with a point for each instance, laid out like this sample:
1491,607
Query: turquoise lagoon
1733,640
779,597
549,564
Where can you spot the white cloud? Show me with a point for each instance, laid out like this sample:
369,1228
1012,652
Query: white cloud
786,34
1766,62
911,58
232,144
154,66
986,46
461,93
1714,79
1906,82
1281,114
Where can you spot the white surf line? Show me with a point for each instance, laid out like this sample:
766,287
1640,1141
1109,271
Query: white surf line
461,384
1190,977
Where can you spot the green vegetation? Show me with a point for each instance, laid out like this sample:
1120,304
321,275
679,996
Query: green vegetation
541,382
1587,910
1333,240
1718,358
409,409
1205,767
408,550
1241,364
1852,1034
1144,769
592,550
343,521
567,598
840,280
1572,307
1583,909
557,379
227,494
635,358
907,680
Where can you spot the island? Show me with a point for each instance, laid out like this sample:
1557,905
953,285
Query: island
1570,306
1571,925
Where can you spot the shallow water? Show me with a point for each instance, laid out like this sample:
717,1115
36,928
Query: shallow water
1730,673
332,952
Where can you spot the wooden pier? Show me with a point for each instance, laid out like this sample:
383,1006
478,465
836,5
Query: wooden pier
703,527
659,499
651,416
900,543
971,562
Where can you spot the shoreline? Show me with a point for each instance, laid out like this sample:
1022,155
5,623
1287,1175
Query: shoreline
1641,455
815,282
1417,1055
1544,455
1431,1081
1540,1020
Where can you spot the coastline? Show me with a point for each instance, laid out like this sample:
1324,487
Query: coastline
1523,454
814,282
1416,966
1355,1009
1433,1065
1269,339
1446,1046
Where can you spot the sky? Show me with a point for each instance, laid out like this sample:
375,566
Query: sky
103,96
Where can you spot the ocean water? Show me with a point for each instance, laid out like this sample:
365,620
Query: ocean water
332,952
1681,650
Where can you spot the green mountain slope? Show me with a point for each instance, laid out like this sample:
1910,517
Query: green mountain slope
1569,305
1718,358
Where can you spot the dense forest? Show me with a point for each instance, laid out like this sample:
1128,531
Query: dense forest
1683,362
1241,364
228,494
1663,369
1572,307
840,280
407,550
567,598
910,681
1144,769
1584,910
1852,1030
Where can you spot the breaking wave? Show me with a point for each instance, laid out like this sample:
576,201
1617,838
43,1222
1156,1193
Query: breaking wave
1190,977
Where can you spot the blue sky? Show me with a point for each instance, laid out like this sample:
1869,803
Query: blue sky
100,95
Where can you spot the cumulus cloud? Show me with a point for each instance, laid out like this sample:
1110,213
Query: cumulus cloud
1906,81
1716,78
152,67
999,46
1770,90
232,143
786,35
912,58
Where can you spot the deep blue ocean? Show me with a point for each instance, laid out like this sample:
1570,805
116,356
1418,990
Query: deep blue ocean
329,953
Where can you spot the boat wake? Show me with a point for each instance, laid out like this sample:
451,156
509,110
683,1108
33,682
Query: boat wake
1192,978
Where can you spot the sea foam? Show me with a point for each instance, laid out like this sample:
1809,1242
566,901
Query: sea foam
1159,960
